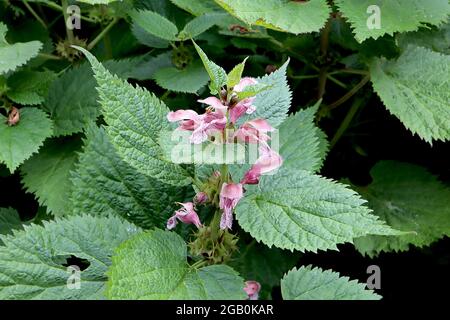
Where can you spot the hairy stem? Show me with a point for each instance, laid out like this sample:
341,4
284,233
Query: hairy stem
69,32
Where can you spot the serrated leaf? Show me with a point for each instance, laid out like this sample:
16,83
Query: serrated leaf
197,8
309,283
94,2
217,74
273,102
135,117
9,221
190,79
408,198
146,69
33,262
17,54
29,87
416,89
155,24
19,142
395,16
47,174
153,266
200,24
234,76
148,39
288,16
295,209
436,39
104,184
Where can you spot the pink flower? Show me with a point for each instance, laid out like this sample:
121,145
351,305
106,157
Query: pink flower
189,119
230,195
243,106
254,131
200,197
246,81
211,123
186,215
267,162
216,104
252,289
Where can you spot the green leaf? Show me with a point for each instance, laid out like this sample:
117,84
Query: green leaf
416,89
272,103
104,184
395,16
15,55
9,221
217,74
190,79
148,39
155,24
153,266
33,262
29,87
295,209
19,142
309,283
235,75
252,90
47,174
135,117
94,2
200,24
436,39
408,198
197,8
281,15
300,145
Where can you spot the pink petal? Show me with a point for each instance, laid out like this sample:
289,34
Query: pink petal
243,83
236,112
260,125
215,103
226,221
268,161
231,191
252,176
179,115
171,222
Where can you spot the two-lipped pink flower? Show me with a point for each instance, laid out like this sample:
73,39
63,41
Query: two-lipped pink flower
244,106
186,215
230,194
254,131
252,289
267,162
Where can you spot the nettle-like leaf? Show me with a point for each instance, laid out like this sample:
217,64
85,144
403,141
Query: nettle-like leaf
394,16
190,79
47,174
19,142
216,73
301,141
104,184
235,75
416,89
200,24
33,262
29,87
153,265
9,221
155,24
135,117
309,283
197,8
295,209
408,198
148,39
436,39
288,16
273,102
15,55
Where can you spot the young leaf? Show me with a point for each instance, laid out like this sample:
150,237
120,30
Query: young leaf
135,117
155,24
47,174
33,262
235,75
104,184
288,16
190,79
153,266
29,87
394,16
416,89
19,142
309,283
200,24
17,54
295,209
217,75
423,207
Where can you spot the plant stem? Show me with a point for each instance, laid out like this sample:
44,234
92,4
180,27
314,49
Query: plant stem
323,73
57,7
351,71
350,94
38,18
215,226
69,32
346,122
49,56
102,34
312,76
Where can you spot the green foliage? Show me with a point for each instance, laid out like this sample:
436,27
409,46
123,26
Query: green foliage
235,75
309,283
408,198
416,89
9,221
19,142
155,24
217,74
29,87
197,8
199,25
190,79
33,261
153,266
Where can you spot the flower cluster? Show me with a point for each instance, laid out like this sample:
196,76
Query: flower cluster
222,114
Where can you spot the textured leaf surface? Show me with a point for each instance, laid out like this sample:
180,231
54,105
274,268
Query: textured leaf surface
155,24
17,54
396,16
32,261
436,39
200,24
309,283
273,103
104,184
19,142
416,89
9,220
29,87
295,209
217,74
190,79
408,198
47,174
282,15
197,8
153,266
135,118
